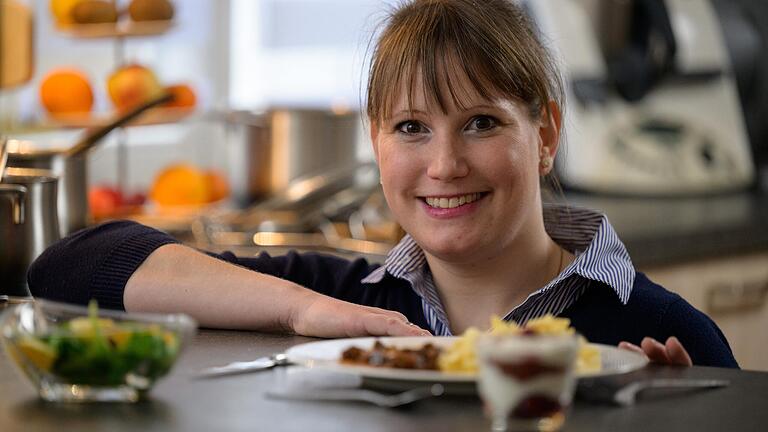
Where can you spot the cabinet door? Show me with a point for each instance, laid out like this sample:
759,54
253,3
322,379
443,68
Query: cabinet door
733,291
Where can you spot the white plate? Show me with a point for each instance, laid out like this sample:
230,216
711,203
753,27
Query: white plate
326,354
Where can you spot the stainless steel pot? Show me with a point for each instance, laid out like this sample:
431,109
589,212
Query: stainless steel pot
283,144
70,165
28,224
72,171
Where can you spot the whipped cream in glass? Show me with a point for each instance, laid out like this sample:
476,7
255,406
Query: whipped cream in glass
527,380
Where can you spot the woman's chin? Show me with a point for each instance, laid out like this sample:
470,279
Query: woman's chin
452,250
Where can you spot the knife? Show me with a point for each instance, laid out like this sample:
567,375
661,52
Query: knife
261,363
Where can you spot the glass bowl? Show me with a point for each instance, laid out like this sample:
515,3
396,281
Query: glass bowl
79,354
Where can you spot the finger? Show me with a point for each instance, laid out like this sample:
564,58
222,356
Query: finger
414,329
677,353
631,347
655,351
387,312
405,328
382,325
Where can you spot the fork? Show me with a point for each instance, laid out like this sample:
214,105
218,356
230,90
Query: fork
361,395
625,394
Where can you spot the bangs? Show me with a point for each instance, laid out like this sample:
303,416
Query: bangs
439,52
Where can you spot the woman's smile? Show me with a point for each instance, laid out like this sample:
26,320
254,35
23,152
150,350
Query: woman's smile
451,206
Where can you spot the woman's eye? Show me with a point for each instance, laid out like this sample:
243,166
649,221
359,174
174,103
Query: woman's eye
410,127
482,123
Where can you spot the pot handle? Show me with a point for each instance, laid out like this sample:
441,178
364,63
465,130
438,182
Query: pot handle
18,192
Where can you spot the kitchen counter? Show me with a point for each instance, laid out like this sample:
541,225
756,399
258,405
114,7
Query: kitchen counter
662,231
238,403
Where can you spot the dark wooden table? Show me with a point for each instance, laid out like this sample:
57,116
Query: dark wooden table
237,403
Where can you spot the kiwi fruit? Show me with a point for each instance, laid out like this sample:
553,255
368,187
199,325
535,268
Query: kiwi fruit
94,12
150,10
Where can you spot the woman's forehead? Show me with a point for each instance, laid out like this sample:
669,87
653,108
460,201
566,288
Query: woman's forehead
457,93
450,89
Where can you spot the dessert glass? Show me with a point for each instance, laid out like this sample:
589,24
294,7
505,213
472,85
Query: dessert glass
527,381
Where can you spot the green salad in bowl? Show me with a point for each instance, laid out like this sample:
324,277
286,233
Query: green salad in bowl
72,353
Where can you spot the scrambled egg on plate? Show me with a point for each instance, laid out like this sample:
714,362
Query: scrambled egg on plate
460,357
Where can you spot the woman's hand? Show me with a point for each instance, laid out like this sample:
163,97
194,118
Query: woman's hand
328,317
669,353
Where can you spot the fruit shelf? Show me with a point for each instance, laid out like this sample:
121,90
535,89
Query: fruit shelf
120,29
154,116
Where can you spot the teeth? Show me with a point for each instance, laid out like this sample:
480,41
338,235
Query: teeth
452,202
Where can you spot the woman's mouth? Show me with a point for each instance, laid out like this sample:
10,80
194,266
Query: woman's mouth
454,206
452,202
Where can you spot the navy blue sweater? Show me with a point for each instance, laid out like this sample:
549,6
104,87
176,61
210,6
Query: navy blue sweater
97,263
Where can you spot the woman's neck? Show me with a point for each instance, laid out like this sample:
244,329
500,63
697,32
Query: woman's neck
473,291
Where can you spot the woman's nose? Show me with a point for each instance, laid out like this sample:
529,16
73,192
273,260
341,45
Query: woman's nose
447,160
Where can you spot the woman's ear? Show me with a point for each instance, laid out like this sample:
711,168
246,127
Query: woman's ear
549,134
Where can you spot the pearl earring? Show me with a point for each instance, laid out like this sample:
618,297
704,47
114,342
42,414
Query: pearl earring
546,162
545,159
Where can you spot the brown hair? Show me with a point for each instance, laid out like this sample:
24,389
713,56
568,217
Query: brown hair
491,42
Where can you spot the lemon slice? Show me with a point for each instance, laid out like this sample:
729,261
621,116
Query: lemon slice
37,352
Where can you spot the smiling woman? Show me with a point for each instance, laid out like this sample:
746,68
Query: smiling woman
465,107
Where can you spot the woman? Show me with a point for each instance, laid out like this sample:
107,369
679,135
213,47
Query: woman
465,110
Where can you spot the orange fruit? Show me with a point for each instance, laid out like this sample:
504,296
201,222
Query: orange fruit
180,185
218,185
62,11
183,96
66,91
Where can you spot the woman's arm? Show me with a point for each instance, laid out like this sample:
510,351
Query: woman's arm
125,265
176,278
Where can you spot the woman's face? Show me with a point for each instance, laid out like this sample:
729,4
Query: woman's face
464,184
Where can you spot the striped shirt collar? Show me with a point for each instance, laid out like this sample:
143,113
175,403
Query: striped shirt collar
600,256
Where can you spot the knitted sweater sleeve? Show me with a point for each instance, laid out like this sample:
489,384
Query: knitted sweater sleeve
94,263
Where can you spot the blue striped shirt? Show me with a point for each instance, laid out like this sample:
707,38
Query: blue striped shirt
600,256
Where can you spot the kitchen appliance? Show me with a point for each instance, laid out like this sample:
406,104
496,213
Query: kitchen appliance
653,107
28,224
70,165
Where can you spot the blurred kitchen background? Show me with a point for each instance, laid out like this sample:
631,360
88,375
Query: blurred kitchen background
263,146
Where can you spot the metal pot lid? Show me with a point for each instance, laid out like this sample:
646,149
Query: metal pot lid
28,149
28,175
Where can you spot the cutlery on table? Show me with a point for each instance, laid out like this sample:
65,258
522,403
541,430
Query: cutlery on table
360,395
625,394
261,363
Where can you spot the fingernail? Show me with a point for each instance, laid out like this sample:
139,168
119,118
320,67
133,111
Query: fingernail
653,341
